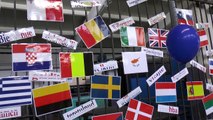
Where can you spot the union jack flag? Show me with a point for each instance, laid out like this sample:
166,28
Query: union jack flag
157,37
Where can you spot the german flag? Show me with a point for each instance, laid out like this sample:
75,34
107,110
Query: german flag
76,64
195,90
52,98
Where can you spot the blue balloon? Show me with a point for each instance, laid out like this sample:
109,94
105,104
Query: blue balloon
183,43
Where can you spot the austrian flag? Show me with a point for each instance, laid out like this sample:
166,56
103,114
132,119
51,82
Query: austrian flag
203,38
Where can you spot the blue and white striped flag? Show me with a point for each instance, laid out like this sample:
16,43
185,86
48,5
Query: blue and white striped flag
15,91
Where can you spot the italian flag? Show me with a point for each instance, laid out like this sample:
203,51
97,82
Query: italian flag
203,38
208,103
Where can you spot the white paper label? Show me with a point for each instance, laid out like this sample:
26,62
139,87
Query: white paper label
152,52
124,100
59,40
134,2
82,109
101,67
197,65
209,87
126,22
202,25
209,53
80,4
152,79
10,112
180,75
45,76
155,19
168,109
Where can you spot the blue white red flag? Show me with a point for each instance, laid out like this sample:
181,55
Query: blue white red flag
184,16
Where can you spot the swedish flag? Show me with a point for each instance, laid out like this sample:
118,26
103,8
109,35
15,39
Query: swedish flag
105,87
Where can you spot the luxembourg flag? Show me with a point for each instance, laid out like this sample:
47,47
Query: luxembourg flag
165,92
26,57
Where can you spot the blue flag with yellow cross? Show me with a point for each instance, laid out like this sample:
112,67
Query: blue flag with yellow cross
105,87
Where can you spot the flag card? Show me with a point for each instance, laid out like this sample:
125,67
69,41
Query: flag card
45,76
168,109
50,99
157,37
162,94
180,75
184,16
124,100
31,56
85,3
132,37
210,66
203,38
209,87
157,18
52,37
15,91
152,52
202,25
139,111
209,52
10,112
132,3
208,103
105,87
134,62
195,90
76,64
154,77
112,116
125,22
105,66
80,110
93,31
45,10
198,65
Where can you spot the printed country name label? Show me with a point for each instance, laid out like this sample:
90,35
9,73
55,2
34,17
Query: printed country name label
10,112
128,97
209,53
197,65
209,87
152,52
168,109
59,40
84,3
45,76
17,35
180,75
117,25
132,3
202,25
152,79
101,67
155,19
82,109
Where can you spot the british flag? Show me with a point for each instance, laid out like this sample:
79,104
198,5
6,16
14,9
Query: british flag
157,37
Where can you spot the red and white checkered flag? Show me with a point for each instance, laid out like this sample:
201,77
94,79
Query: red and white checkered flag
31,58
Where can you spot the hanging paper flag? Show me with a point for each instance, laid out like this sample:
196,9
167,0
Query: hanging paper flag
195,90
184,16
202,25
152,52
209,87
132,37
59,40
81,4
105,87
208,103
52,98
139,111
154,77
162,94
31,56
157,37
210,66
45,10
126,22
45,76
203,38
10,112
134,62
76,64
82,109
113,116
19,34
124,100
168,109
209,52
93,31
132,3
155,19
15,91
106,66
198,65
180,75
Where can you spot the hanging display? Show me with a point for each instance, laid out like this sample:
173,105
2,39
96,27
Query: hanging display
198,65
125,22
45,76
180,75
185,16
157,18
85,3
203,38
154,77
202,25
194,90
168,109
106,66
132,3
208,103
152,52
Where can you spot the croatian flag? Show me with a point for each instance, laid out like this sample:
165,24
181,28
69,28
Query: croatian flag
27,57
165,92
